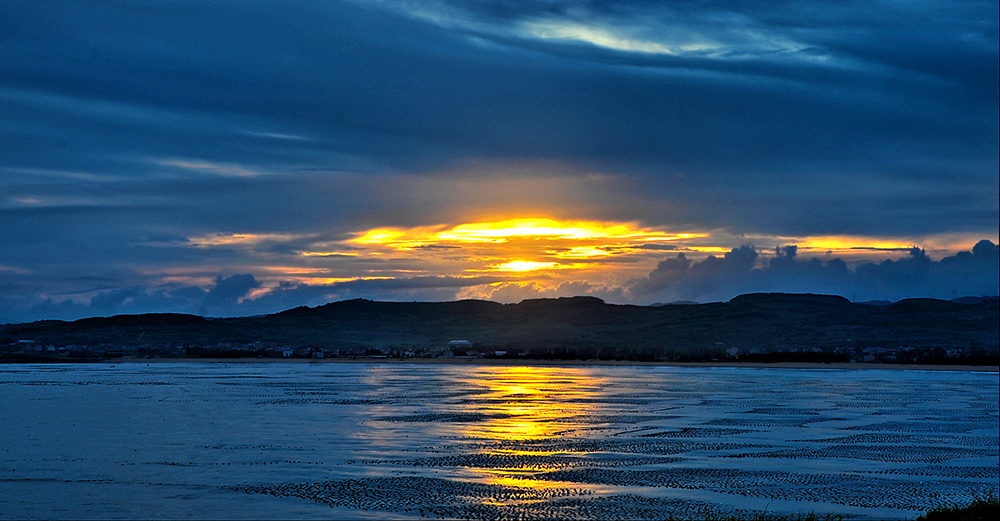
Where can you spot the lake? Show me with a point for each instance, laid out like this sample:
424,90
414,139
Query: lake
411,441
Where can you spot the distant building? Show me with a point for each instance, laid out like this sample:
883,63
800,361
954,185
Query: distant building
461,348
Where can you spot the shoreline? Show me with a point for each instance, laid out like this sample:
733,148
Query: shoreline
536,362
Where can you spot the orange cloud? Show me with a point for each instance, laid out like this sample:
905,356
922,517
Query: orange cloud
536,254
534,240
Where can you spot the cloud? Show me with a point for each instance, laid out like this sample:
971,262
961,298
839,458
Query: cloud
287,295
235,295
692,279
967,273
741,270
112,300
228,291
19,302
130,128
512,292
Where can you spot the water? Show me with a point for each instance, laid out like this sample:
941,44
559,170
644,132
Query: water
371,441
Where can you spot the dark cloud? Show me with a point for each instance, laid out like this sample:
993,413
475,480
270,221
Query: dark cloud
227,296
228,291
112,300
251,85
729,271
130,128
964,274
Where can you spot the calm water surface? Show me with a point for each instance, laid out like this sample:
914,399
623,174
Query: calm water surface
370,441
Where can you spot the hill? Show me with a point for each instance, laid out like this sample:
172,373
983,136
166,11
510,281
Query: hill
749,327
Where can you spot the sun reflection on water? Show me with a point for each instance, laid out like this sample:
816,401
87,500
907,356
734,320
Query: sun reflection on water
526,404
530,403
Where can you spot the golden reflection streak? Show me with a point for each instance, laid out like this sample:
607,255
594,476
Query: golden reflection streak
523,404
538,484
531,401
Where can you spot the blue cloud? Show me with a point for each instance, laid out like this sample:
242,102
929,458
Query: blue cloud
975,273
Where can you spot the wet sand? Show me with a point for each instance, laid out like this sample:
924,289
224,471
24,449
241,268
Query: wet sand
489,440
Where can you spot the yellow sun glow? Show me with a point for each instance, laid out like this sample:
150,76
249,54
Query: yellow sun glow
539,228
504,231
582,252
514,245
848,243
524,266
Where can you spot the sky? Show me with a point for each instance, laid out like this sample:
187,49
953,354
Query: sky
243,157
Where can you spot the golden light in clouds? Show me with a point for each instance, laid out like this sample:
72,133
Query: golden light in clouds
520,258
330,253
502,231
845,243
582,252
505,231
518,245
524,266
234,239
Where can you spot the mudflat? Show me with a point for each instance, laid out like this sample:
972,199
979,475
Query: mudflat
473,440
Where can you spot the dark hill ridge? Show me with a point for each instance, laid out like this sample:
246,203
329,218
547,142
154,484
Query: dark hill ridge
925,304
146,320
795,301
746,326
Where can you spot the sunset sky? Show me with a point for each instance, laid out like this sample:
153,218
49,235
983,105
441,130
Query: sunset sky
243,157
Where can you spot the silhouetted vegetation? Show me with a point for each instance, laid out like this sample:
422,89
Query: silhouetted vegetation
986,509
